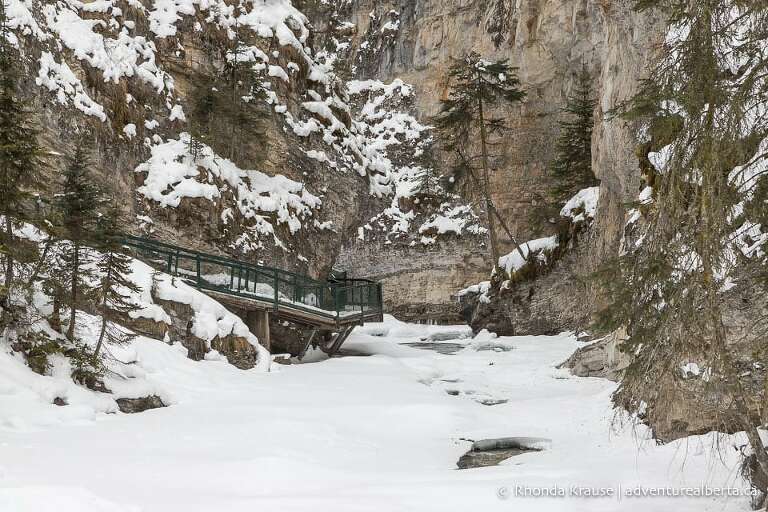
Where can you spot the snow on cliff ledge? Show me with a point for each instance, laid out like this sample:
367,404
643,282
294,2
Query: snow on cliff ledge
117,46
172,174
586,201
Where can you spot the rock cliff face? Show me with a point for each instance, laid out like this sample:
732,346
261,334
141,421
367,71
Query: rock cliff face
323,164
549,41
125,79
694,404
420,282
343,92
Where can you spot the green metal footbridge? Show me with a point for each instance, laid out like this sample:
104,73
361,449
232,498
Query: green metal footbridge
335,306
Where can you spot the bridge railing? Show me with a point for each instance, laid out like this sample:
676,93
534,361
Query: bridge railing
339,298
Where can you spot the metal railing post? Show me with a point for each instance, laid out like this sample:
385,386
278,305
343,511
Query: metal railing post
335,291
197,269
380,297
277,296
362,308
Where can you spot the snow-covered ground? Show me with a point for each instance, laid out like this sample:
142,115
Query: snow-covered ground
378,433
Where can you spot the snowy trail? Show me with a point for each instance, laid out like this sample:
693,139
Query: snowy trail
358,434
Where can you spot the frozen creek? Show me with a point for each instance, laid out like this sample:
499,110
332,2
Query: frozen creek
351,434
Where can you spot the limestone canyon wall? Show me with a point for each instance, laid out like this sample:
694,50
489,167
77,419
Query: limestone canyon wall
549,41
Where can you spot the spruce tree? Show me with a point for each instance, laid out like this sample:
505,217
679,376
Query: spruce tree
572,167
112,293
428,184
466,126
240,110
77,210
668,285
203,102
21,158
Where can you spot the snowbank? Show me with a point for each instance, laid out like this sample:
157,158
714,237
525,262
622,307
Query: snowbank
413,412
211,319
27,398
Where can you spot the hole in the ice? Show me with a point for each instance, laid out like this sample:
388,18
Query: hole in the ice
490,452
351,352
446,336
491,401
441,348
492,346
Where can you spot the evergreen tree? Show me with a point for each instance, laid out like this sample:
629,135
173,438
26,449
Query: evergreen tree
499,23
225,109
466,127
573,162
21,161
428,184
112,293
307,6
77,210
240,110
203,103
667,286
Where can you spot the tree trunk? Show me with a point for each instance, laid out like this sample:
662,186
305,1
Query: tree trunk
710,191
493,239
40,263
8,261
107,284
55,320
738,401
498,217
506,229
492,213
101,335
73,291
722,356
724,361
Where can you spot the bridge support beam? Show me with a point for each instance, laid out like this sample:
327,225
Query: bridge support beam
258,323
